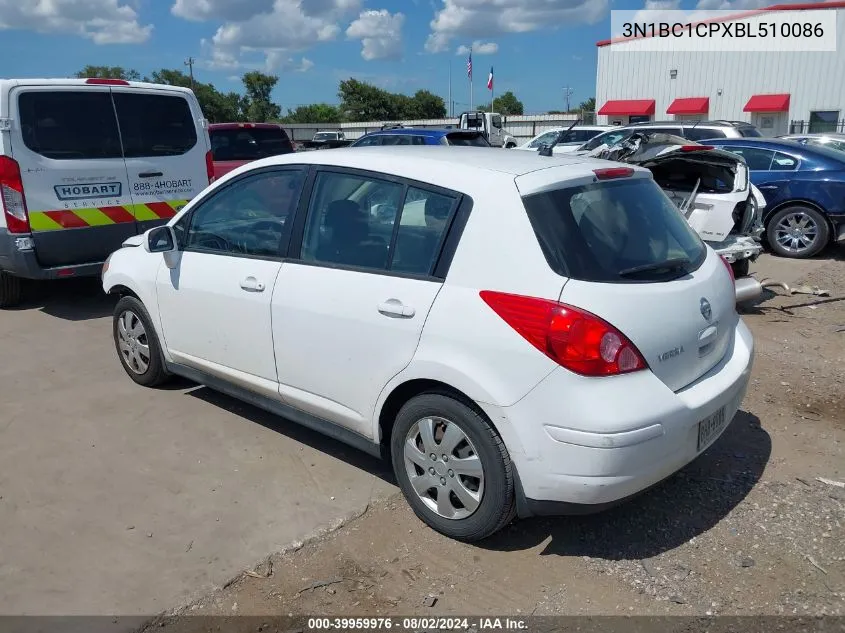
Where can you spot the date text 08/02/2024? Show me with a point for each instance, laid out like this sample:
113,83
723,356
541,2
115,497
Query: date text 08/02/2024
417,623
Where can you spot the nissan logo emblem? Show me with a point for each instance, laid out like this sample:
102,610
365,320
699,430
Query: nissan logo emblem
706,310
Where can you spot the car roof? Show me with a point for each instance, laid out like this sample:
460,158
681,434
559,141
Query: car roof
460,164
418,131
249,126
713,123
601,128
833,135
82,83
757,141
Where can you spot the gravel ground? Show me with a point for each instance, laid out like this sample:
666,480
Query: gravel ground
749,528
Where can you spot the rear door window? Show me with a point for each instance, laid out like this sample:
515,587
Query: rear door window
756,159
623,231
153,125
702,133
749,132
368,141
68,125
784,162
465,139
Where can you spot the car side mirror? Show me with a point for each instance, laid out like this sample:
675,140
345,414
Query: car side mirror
161,239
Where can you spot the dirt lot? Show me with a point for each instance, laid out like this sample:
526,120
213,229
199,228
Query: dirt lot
748,528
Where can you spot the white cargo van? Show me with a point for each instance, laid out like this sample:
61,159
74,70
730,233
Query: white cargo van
87,163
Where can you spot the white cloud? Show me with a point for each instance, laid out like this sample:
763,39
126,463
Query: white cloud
277,62
380,34
287,26
479,48
200,10
101,21
462,18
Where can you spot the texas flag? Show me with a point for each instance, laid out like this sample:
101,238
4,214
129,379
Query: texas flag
490,80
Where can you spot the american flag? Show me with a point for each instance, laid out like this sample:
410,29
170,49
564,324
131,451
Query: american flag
469,65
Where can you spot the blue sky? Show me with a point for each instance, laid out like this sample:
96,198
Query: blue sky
537,47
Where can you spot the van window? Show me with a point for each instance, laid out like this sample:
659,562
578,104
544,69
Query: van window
154,124
622,231
69,125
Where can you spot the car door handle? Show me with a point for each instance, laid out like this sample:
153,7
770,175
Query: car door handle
251,284
396,309
150,174
767,186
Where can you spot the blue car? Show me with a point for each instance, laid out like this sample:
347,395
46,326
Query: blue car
804,188
422,136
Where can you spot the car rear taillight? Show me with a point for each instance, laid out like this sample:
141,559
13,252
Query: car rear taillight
609,173
11,196
209,166
574,338
730,269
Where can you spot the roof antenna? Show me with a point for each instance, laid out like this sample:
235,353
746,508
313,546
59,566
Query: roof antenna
547,149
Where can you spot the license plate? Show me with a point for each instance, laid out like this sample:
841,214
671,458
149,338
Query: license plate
710,427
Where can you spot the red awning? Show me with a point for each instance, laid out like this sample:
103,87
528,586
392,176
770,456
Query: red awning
767,103
628,107
690,105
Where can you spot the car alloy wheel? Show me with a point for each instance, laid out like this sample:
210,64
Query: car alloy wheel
444,467
797,232
133,343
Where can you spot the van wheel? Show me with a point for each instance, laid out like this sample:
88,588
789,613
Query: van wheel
452,467
797,231
10,290
137,344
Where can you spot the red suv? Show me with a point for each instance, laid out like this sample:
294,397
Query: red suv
234,144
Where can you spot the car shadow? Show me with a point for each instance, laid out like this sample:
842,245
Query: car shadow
297,432
72,299
662,518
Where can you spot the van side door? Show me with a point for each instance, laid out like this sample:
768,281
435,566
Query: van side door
165,142
66,141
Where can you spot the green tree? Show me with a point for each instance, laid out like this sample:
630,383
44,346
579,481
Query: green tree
314,113
360,101
259,107
588,106
507,103
109,72
426,105
217,107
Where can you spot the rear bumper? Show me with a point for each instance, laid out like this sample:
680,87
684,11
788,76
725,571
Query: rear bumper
737,248
587,447
17,257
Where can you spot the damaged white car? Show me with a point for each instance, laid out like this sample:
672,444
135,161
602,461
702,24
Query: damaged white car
710,186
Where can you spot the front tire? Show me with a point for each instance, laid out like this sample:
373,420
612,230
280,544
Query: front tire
453,467
11,290
137,344
798,232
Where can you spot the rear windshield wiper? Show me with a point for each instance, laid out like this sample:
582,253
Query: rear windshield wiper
669,264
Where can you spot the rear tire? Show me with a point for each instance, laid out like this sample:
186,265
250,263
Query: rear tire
11,290
137,345
797,231
471,474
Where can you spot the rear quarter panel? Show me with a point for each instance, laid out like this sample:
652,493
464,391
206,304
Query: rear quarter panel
824,189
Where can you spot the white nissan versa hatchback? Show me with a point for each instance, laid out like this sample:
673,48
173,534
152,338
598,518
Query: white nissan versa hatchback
520,334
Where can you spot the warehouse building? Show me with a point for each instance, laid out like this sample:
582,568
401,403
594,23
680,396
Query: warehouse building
779,92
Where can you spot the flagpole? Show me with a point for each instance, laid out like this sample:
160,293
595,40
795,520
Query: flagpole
492,92
449,108
471,73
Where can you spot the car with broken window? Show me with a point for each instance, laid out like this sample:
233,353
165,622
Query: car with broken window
564,139
710,186
518,334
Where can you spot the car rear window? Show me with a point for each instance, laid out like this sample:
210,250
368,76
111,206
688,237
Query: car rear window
622,231
154,124
467,139
69,125
248,143
702,133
